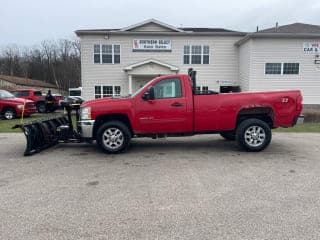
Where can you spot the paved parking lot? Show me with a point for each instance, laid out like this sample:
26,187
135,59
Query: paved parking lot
199,187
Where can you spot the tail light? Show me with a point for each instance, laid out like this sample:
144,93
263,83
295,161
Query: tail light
299,103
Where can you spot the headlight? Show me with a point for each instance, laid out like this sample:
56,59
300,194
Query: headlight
20,106
85,113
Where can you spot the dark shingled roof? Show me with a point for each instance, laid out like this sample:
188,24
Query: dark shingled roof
26,81
100,30
294,28
192,29
187,29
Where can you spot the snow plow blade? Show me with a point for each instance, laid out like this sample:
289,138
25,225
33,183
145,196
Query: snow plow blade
42,134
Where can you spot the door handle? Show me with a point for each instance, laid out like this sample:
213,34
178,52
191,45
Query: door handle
176,104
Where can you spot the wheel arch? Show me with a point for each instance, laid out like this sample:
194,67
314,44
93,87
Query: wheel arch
8,107
100,120
264,113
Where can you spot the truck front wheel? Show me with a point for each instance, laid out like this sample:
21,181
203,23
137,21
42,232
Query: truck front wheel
9,113
253,135
113,137
41,107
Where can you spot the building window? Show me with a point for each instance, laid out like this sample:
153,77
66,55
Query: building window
282,68
291,68
196,54
273,68
202,88
106,91
96,50
107,54
116,53
117,90
97,91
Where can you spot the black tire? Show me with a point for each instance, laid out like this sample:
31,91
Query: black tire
41,107
113,137
230,136
253,135
9,113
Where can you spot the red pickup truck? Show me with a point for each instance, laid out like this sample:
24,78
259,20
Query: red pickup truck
171,106
11,107
37,97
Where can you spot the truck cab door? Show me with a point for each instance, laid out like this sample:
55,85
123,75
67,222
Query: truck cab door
162,108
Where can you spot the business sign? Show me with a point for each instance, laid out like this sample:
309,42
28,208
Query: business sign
226,82
151,45
311,47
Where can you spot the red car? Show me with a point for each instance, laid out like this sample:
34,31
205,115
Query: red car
11,107
37,97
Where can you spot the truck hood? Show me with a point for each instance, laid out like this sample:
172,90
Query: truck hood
18,100
103,101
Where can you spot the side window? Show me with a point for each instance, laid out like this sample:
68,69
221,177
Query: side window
168,88
20,93
38,93
16,94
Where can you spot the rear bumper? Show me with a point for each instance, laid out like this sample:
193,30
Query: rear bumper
299,120
86,128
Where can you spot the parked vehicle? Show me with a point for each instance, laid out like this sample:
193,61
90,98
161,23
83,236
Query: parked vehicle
172,106
11,107
37,97
75,92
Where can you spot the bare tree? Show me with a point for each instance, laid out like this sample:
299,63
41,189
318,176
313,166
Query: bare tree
56,62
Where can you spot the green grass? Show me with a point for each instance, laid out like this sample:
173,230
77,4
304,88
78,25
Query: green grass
6,125
307,127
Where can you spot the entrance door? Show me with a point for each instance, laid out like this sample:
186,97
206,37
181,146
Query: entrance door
167,112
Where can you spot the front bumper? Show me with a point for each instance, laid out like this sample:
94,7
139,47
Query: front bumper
299,120
86,128
27,111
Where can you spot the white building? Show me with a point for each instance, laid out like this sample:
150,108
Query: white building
120,61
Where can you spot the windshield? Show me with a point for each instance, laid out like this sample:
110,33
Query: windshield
140,89
5,94
76,93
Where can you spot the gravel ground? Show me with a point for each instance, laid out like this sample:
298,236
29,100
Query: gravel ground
200,187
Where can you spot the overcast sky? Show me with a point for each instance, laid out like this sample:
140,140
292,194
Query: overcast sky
29,22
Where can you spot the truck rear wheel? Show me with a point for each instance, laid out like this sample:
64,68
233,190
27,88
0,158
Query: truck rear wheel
113,137
253,135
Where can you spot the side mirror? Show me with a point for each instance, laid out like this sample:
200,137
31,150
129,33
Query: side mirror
148,95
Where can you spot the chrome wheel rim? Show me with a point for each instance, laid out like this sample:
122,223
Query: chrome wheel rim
8,115
255,136
113,138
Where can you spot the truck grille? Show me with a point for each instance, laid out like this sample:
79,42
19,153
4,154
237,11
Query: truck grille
30,105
